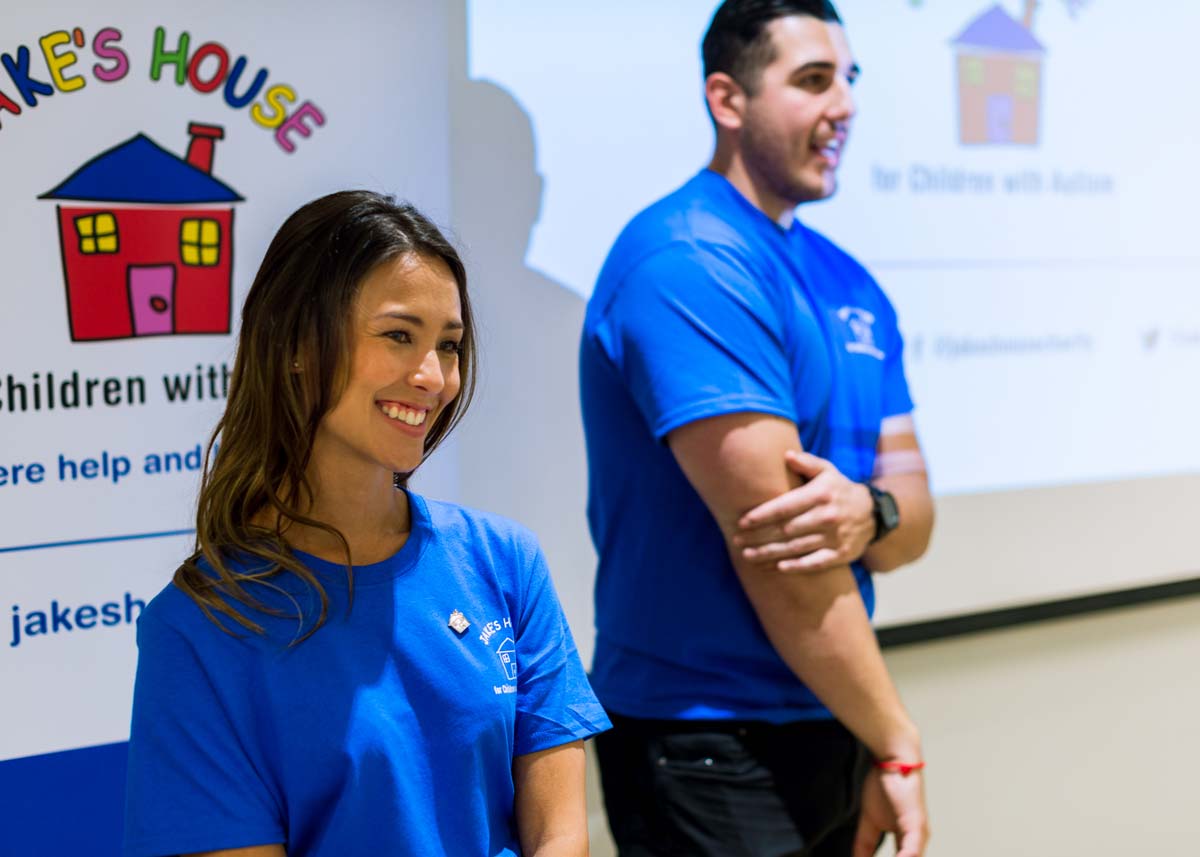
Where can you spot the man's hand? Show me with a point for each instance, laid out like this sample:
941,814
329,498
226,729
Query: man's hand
893,803
826,522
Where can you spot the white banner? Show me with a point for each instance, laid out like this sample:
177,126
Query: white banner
147,155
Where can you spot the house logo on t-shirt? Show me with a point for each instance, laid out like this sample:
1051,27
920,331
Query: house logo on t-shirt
862,335
506,652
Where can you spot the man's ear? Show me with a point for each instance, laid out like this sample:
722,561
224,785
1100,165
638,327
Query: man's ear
726,100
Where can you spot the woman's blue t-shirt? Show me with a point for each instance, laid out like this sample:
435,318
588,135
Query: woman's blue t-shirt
386,732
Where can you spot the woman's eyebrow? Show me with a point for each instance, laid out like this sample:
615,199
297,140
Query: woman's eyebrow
402,316
416,320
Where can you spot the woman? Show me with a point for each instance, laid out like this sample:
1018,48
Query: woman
344,667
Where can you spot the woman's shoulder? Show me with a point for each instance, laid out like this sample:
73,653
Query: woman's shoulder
169,606
477,527
171,615
175,613
445,516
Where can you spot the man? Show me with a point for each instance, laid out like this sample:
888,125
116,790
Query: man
752,460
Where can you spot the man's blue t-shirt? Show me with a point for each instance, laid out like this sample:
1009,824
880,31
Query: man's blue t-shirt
705,306
386,732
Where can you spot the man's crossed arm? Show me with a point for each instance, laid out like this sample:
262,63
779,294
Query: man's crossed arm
817,621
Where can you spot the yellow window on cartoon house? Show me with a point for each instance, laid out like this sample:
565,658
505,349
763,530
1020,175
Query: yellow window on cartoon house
1026,80
200,242
973,71
97,233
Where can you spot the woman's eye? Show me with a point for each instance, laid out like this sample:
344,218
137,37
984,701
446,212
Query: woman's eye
398,336
451,346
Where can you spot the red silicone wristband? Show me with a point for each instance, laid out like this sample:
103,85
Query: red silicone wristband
901,768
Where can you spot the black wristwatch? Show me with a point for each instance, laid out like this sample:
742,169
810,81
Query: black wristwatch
887,513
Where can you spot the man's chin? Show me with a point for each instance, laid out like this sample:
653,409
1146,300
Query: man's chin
814,186
816,194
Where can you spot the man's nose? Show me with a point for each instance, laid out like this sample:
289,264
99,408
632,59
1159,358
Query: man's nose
843,107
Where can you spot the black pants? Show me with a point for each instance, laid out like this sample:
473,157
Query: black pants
680,788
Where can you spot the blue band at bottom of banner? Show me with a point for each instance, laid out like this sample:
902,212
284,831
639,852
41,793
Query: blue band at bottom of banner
71,802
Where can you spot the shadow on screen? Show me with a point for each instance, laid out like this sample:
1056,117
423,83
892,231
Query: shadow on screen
521,449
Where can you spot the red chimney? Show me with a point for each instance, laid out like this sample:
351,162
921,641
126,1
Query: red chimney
1027,19
200,150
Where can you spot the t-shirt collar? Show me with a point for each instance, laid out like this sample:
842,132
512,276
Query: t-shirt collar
786,220
386,569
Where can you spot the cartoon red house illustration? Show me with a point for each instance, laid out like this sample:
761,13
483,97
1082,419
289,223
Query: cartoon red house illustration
147,240
999,79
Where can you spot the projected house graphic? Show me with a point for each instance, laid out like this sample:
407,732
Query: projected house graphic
999,79
147,241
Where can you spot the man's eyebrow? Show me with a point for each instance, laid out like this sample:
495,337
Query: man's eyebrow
416,320
824,65
815,65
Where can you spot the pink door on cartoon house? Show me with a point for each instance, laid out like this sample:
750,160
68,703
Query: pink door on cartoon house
152,299
1000,118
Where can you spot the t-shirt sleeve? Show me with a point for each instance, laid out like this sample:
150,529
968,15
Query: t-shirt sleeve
555,703
693,333
896,398
193,782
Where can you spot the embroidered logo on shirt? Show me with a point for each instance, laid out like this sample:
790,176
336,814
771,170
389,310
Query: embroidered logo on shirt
862,334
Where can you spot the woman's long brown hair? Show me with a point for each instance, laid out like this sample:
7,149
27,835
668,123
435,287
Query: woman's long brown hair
297,314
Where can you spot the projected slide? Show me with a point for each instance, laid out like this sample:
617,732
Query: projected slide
1017,182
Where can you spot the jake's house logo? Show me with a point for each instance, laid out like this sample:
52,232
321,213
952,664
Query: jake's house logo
999,79
862,332
147,240
507,653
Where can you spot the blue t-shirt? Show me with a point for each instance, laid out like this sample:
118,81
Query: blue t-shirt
705,306
386,732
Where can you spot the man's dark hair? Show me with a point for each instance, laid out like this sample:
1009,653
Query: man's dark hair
737,42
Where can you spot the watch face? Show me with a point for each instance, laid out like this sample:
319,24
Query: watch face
889,513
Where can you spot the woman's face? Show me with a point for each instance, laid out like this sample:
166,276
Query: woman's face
405,335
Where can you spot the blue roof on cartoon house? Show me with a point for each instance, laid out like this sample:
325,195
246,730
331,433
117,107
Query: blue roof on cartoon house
140,170
998,30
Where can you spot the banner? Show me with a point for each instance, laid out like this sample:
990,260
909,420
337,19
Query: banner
147,156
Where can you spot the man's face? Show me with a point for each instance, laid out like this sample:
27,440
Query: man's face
795,125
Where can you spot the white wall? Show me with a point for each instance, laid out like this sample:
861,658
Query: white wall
1074,737
520,449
